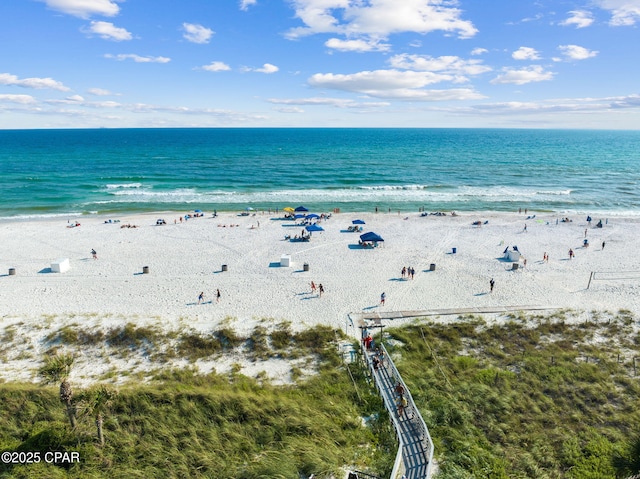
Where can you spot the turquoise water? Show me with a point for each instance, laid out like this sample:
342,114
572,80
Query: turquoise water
62,172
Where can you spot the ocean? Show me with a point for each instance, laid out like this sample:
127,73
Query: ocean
48,173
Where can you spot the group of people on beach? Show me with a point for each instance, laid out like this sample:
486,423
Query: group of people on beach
317,289
201,296
409,272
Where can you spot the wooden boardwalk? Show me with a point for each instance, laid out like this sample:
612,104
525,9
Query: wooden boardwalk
415,454
359,318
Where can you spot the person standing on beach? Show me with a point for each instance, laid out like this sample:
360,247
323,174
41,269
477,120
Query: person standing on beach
603,245
94,254
383,298
570,253
217,295
313,287
320,290
201,297
404,271
492,283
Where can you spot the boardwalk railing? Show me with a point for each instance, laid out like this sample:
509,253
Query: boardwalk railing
415,450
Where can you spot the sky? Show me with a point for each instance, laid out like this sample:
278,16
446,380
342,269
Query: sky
320,63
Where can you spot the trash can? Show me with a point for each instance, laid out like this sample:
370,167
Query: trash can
515,266
432,267
12,271
305,267
453,250
145,270
225,267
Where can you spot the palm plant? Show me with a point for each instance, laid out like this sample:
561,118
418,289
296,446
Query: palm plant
98,401
56,369
627,463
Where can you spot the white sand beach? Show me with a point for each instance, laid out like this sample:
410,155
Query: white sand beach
186,258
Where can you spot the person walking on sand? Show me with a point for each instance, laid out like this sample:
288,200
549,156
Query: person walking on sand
201,297
492,283
320,290
383,298
313,287
404,271
94,254
217,295
603,245
570,253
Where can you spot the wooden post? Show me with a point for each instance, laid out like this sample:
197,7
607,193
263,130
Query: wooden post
590,278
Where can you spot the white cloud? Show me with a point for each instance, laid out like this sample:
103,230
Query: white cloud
290,109
379,18
197,33
479,51
20,99
37,83
525,53
575,52
108,31
623,12
326,101
447,64
137,58
369,45
245,4
84,8
78,100
392,84
579,18
266,68
99,92
562,105
216,67
534,73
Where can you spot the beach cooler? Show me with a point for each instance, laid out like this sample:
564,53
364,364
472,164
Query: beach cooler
60,265
285,260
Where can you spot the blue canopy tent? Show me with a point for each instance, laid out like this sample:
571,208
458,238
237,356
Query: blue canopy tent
301,208
358,222
312,228
371,237
313,215
298,216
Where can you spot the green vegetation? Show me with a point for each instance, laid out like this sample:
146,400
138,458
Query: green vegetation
537,397
183,424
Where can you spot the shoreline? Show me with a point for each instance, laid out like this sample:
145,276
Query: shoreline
52,217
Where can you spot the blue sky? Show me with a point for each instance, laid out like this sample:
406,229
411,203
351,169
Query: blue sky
320,63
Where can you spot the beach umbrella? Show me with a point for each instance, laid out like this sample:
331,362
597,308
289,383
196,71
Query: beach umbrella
301,208
313,215
358,222
371,236
298,216
312,228
288,209
197,211
248,208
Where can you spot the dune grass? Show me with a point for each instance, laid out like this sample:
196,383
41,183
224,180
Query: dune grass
537,397
184,424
